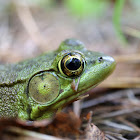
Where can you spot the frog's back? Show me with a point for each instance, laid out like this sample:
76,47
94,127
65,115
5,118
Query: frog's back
12,73
12,80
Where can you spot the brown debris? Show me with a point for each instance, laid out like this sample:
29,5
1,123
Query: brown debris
64,125
94,133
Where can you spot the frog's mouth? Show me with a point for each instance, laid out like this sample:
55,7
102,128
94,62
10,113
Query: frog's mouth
76,96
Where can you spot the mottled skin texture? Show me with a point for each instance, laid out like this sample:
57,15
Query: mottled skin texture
15,80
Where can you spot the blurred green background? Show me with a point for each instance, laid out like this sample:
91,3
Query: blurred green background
35,26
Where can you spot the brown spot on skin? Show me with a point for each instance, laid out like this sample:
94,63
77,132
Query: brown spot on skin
61,90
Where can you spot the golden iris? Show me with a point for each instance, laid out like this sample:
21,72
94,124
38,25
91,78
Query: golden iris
72,64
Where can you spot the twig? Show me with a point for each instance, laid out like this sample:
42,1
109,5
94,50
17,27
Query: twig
117,113
117,126
137,138
133,98
131,31
113,134
108,97
31,134
110,137
129,123
29,24
76,108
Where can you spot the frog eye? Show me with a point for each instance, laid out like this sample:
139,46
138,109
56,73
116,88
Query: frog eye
72,64
41,87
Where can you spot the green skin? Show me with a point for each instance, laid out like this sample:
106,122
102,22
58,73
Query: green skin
15,82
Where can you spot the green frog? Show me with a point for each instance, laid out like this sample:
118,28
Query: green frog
37,88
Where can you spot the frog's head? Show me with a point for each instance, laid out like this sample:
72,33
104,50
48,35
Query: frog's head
74,71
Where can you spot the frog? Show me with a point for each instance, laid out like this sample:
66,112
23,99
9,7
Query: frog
38,88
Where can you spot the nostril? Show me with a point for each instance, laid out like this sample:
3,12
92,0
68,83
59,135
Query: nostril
100,59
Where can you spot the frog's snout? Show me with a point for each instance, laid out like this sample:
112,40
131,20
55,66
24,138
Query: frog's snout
110,61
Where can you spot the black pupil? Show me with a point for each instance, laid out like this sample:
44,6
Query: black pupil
73,64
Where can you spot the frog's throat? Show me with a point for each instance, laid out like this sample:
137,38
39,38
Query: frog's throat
59,105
